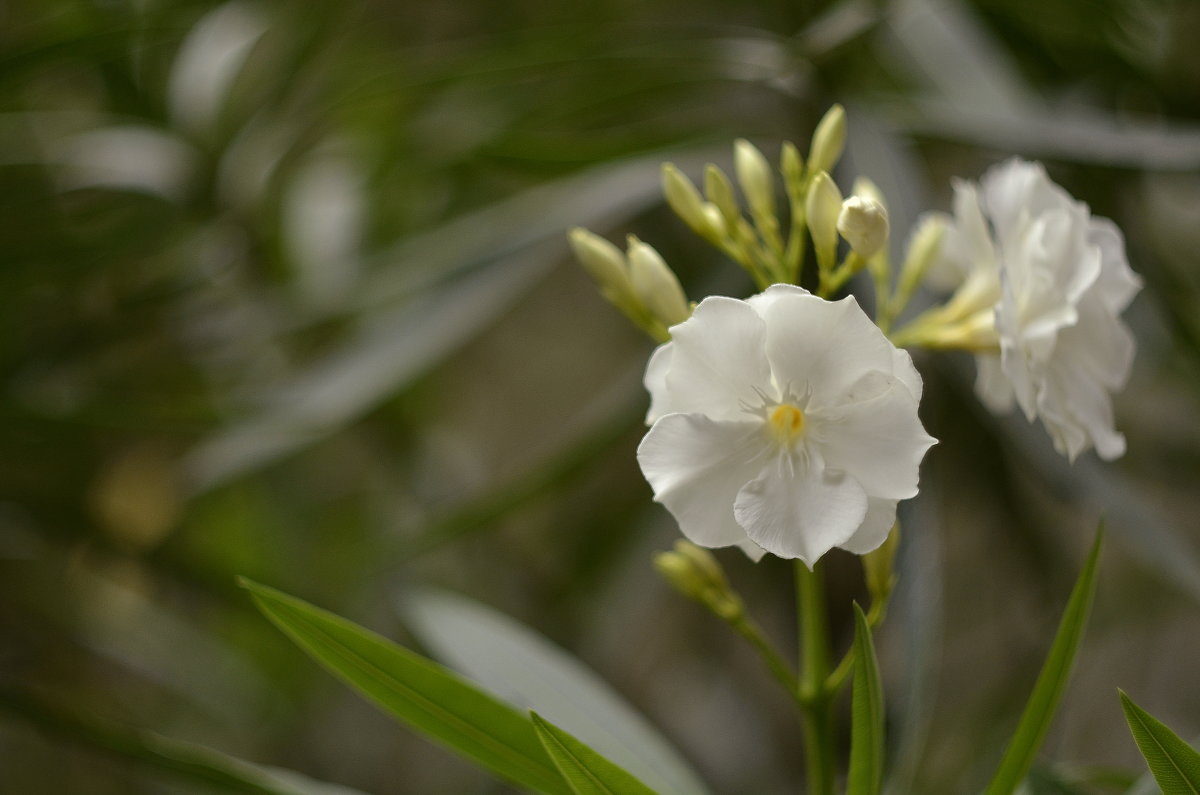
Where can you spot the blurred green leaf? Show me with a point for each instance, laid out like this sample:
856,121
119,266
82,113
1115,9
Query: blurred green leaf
1051,682
587,772
867,714
524,669
189,761
423,694
1174,764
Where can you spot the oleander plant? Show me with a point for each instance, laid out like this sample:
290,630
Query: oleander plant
329,468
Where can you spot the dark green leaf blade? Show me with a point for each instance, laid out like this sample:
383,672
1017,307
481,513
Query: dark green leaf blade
418,691
1047,692
1174,764
866,727
584,770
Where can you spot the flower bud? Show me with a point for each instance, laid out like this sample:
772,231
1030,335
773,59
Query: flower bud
754,175
686,202
828,141
792,166
923,249
863,223
605,263
864,187
655,284
823,205
695,573
720,192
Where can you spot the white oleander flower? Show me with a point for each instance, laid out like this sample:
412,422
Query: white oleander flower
785,423
1056,280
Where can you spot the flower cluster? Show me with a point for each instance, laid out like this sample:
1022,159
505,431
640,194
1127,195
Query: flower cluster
1048,282
787,423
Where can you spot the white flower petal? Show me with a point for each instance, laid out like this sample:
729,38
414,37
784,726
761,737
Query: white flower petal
655,382
798,511
992,385
718,364
696,468
821,348
1064,280
879,441
881,516
763,300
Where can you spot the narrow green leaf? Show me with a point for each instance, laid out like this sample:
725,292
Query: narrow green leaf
1174,764
584,770
1047,692
866,727
426,696
186,761
528,672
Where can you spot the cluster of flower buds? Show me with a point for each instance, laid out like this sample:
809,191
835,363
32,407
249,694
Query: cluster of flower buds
639,282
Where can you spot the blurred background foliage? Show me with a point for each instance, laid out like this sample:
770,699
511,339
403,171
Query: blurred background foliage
286,294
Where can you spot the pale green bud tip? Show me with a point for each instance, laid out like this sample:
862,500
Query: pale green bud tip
926,240
863,223
863,186
703,561
720,192
655,284
791,164
823,206
754,175
684,198
678,572
828,140
601,259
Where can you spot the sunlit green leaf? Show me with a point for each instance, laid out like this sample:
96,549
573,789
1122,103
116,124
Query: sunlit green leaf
1174,764
866,728
418,691
587,772
1051,682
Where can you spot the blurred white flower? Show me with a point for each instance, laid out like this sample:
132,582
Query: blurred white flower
785,423
1057,281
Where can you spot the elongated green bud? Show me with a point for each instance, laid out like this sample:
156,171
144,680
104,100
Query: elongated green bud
656,285
605,263
828,141
863,222
823,205
719,191
923,248
792,166
695,573
754,175
686,202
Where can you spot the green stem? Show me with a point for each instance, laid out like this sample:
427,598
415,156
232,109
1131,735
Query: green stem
814,669
748,629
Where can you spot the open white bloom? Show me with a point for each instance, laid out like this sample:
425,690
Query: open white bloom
785,423
1056,280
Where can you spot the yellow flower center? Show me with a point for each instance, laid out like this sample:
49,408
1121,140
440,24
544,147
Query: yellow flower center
787,421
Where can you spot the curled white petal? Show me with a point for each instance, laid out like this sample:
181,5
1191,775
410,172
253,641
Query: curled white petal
800,511
696,467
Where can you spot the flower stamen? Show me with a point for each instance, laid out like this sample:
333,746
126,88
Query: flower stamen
787,422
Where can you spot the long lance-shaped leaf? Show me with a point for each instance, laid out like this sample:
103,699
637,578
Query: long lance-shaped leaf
866,727
152,751
428,697
1174,764
1051,682
584,770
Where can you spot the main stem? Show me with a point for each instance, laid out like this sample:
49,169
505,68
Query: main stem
815,700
